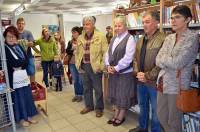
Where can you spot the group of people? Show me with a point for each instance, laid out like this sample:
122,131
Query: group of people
134,68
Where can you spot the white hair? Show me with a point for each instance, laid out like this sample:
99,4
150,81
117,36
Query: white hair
89,18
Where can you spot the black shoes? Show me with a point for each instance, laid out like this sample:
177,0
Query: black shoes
116,122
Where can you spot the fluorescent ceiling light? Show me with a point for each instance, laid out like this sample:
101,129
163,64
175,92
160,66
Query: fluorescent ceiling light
19,10
33,2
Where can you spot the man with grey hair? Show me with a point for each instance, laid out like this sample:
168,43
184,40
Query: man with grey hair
89,55
146,72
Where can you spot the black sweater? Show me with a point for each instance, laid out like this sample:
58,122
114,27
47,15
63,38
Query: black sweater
14,63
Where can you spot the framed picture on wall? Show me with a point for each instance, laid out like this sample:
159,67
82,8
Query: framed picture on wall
52,28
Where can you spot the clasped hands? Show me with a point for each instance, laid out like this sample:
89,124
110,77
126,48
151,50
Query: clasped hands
141,77
111,69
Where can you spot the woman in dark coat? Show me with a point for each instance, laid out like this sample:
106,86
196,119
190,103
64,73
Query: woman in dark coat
24,107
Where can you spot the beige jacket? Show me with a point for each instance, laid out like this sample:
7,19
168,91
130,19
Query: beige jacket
177,56
98,48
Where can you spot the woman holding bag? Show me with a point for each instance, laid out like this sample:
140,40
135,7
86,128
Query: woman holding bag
16,58
178,53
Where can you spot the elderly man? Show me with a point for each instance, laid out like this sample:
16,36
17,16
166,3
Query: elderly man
146,71
89,55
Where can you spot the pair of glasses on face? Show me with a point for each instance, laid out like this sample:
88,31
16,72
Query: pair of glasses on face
175,18
11,37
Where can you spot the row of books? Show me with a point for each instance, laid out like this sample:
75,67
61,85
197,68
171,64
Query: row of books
134,20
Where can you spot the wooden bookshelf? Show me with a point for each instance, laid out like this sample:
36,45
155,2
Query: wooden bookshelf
160,6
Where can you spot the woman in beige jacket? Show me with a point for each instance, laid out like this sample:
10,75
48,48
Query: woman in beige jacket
179,52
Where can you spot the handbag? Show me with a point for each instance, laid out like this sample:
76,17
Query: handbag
187,100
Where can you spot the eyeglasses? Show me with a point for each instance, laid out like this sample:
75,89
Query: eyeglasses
11,37
175,18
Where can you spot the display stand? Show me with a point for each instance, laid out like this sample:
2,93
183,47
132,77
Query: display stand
6,105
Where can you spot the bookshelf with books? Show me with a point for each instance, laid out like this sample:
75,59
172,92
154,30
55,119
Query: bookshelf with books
134,15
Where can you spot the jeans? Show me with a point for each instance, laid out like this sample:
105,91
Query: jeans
146,96
58,83
46,66
78,86
92,81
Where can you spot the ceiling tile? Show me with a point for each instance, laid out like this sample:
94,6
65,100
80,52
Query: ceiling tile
60,1
93,4
69,6
45,7
86,0
52,4
77,3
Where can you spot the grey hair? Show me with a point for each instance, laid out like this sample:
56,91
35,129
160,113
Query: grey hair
89,18
122,19
154,14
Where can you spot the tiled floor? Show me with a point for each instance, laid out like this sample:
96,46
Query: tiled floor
63,116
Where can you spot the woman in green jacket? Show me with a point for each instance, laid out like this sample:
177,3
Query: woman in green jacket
47,50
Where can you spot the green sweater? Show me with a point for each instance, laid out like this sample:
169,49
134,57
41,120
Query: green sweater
48,49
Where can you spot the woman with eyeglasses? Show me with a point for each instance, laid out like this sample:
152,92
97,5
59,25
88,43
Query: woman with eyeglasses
16,58
178,53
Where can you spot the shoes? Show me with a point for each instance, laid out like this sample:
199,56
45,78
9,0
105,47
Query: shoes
32,121
75,98
25,123
111,121
86,110
118,122
99,113
138,129
80,98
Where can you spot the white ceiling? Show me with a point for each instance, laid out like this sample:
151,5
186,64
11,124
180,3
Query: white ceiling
62,6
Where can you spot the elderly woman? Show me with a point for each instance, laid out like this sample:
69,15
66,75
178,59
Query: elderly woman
118,61
17,61
48,50
179,52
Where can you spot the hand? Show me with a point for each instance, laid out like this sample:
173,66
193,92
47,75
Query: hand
30,44
141,77
98,70
111,69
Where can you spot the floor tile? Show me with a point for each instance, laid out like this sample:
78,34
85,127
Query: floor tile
68,129
85,126
111,128
58,124
41,128
76,119
97,130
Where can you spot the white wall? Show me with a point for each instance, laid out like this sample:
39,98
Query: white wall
34,22
103,21
70,20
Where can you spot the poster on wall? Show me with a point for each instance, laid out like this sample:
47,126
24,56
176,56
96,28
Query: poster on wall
52,28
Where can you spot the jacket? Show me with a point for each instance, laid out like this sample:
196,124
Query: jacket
98,48
177,56
150,69
48,49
